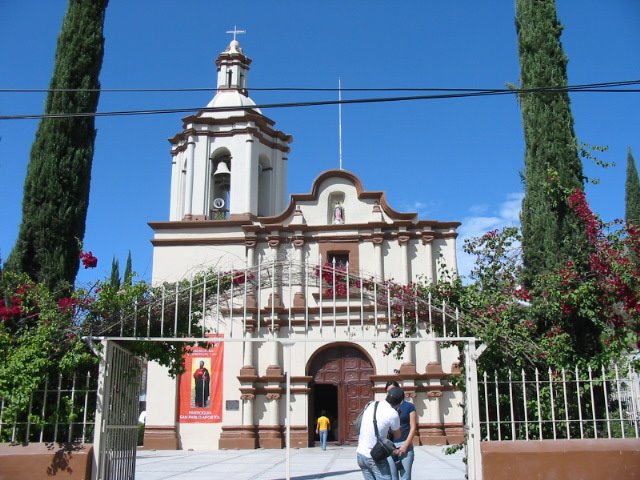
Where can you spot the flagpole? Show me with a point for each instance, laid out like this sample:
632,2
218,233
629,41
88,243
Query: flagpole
340,121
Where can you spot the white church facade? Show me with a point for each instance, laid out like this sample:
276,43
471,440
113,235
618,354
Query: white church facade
302,315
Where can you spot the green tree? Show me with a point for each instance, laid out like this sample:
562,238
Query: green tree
115,274
632,192
56,189
550,230
128,270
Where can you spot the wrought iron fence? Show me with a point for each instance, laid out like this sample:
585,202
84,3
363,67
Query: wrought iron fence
61,410
565,404
212,300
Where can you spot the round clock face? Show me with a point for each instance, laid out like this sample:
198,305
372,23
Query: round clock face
218,202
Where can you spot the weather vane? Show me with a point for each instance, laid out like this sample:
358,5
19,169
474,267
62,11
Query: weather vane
235,31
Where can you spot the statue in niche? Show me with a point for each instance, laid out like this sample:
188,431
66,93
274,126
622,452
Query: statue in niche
338,214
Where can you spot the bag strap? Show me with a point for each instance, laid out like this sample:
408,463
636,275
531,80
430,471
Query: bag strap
375,422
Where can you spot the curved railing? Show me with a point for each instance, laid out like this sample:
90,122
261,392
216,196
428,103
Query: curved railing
281,294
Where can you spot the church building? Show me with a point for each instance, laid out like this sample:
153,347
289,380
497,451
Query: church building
311,305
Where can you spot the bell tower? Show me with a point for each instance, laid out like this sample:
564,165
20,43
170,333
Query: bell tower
229,162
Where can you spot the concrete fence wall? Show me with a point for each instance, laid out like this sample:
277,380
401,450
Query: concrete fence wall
602,459
45,461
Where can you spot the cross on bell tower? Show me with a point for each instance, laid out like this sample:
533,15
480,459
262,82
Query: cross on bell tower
233,65
235,32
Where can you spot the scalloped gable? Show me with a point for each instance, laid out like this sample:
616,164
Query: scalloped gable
345,189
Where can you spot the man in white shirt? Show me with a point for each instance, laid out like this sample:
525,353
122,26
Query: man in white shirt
387,419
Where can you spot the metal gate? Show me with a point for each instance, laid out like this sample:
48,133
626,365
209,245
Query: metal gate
116,440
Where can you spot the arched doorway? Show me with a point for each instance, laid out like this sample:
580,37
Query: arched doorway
342,387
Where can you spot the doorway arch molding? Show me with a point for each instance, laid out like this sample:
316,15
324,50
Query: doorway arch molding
341,383
332,346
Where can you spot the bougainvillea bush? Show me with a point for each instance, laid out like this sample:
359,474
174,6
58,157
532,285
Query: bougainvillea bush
580,315
44,333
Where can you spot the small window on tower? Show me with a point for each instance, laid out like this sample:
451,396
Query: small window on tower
340,258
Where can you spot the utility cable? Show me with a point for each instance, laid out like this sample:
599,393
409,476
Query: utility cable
590,88
301,89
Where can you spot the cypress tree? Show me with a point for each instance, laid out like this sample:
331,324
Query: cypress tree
632,192
56,189
550,229
128,271
114,280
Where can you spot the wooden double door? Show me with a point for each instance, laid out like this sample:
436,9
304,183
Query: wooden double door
341,387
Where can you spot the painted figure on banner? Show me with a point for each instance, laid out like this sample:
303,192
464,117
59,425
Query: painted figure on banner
202,380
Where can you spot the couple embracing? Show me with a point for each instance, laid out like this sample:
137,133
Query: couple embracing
393,417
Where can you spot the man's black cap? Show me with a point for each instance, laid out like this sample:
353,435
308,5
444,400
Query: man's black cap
395,396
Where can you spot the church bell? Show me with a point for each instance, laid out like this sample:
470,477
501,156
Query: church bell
222,176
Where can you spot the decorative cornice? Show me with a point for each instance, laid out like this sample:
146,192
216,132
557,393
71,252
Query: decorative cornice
312,233
253,131
273,241
232,57
263,126
377,238
200,224
303,379
403,238
176,242
427,238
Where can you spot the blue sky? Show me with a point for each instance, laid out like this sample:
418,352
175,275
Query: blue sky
457,159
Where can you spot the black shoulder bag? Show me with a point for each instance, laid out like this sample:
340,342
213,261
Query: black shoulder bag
383,447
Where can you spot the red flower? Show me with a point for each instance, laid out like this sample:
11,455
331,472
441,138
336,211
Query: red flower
22,289
553,332
490,234
9,311
567,309
522,293
88,260
240,278
66,304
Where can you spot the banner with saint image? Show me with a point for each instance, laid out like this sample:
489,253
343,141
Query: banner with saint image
200,394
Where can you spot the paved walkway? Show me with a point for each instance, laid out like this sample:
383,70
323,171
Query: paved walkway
306,463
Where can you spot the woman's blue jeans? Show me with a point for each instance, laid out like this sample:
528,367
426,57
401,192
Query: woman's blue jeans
407,463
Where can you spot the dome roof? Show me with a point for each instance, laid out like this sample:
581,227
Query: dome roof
234,47
229,98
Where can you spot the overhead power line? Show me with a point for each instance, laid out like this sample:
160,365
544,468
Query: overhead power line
302,89
587,88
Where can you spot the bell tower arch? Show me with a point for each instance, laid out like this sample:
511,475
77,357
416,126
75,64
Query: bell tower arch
229,162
